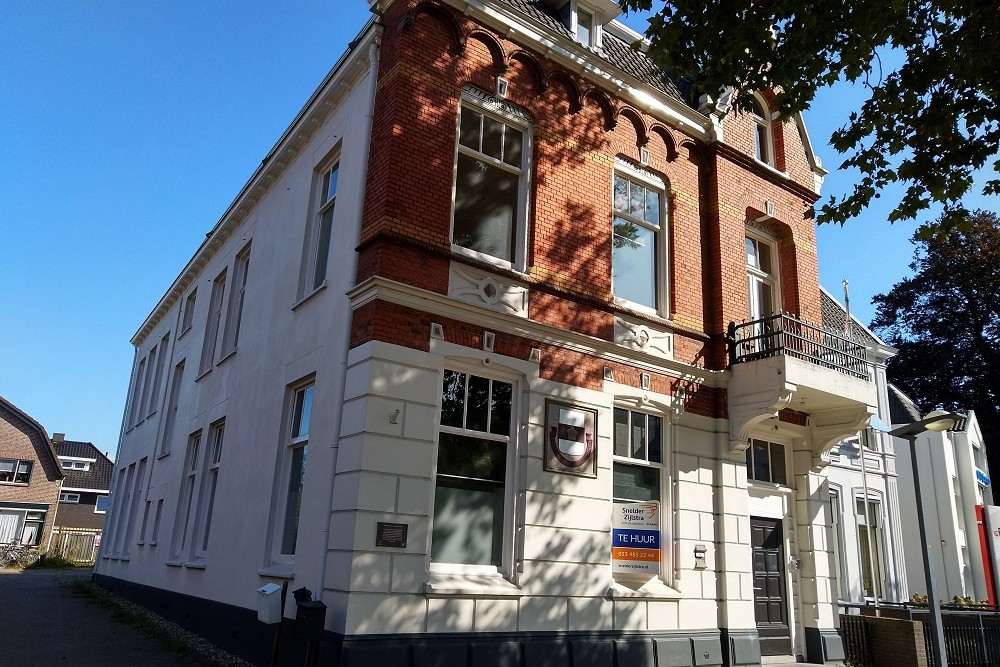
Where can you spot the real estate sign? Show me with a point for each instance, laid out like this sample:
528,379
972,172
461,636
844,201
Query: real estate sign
635,538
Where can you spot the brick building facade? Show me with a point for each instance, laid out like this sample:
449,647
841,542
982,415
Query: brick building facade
487,319
30,477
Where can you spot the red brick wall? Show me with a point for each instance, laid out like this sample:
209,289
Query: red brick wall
428,54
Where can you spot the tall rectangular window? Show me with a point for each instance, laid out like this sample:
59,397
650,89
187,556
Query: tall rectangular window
319,231
186,497
213,460
836,541
154,389
212,325
870,547
472,469
584,27
491,174
173,404
762,133
638,255
296,450
134,408
147,384
187,317
762,279
236,297
135,499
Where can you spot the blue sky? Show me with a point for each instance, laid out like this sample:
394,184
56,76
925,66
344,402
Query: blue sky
127,128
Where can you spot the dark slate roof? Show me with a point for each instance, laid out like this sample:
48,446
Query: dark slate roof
834,315
614,50
34,425
99,475
902,409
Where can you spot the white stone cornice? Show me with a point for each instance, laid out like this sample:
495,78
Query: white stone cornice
390,291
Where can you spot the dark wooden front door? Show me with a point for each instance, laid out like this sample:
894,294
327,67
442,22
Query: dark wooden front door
770,601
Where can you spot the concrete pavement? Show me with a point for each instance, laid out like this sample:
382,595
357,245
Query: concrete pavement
45,623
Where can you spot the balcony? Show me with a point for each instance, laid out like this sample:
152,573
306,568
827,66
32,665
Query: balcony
782,362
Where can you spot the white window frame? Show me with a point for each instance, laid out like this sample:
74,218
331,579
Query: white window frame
570,14
763,134
756,276
154,389
660,409
295,440
874,506
187,314
172,406
502,111
237,294
214,322
75,463
136,497
211,463
505,569
661,282
135,409
751,457
320,228
97,504
69,498
836,505
188,496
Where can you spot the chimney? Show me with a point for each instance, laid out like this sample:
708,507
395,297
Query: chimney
58,437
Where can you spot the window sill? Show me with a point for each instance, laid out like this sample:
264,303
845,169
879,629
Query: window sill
309,296
768,486
15,483
278,571
443,584
163,455
771,168
650,589
226,356
174,562
203,373
196,564
181,334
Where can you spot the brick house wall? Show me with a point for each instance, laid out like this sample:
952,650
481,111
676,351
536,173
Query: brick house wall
579,129
23,439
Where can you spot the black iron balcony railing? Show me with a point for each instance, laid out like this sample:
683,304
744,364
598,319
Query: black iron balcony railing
784,334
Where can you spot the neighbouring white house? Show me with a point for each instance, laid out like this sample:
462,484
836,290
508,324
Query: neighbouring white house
955,481
510,352
865,528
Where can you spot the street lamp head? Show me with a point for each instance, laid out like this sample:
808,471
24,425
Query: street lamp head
939,420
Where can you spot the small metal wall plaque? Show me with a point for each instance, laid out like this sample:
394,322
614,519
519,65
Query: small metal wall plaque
390,534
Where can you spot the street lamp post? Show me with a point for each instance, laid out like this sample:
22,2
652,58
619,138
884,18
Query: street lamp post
939,420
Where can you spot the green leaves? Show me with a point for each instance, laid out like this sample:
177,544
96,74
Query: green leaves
945,319
929,123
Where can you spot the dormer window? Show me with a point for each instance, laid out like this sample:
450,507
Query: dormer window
585,21
585,27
